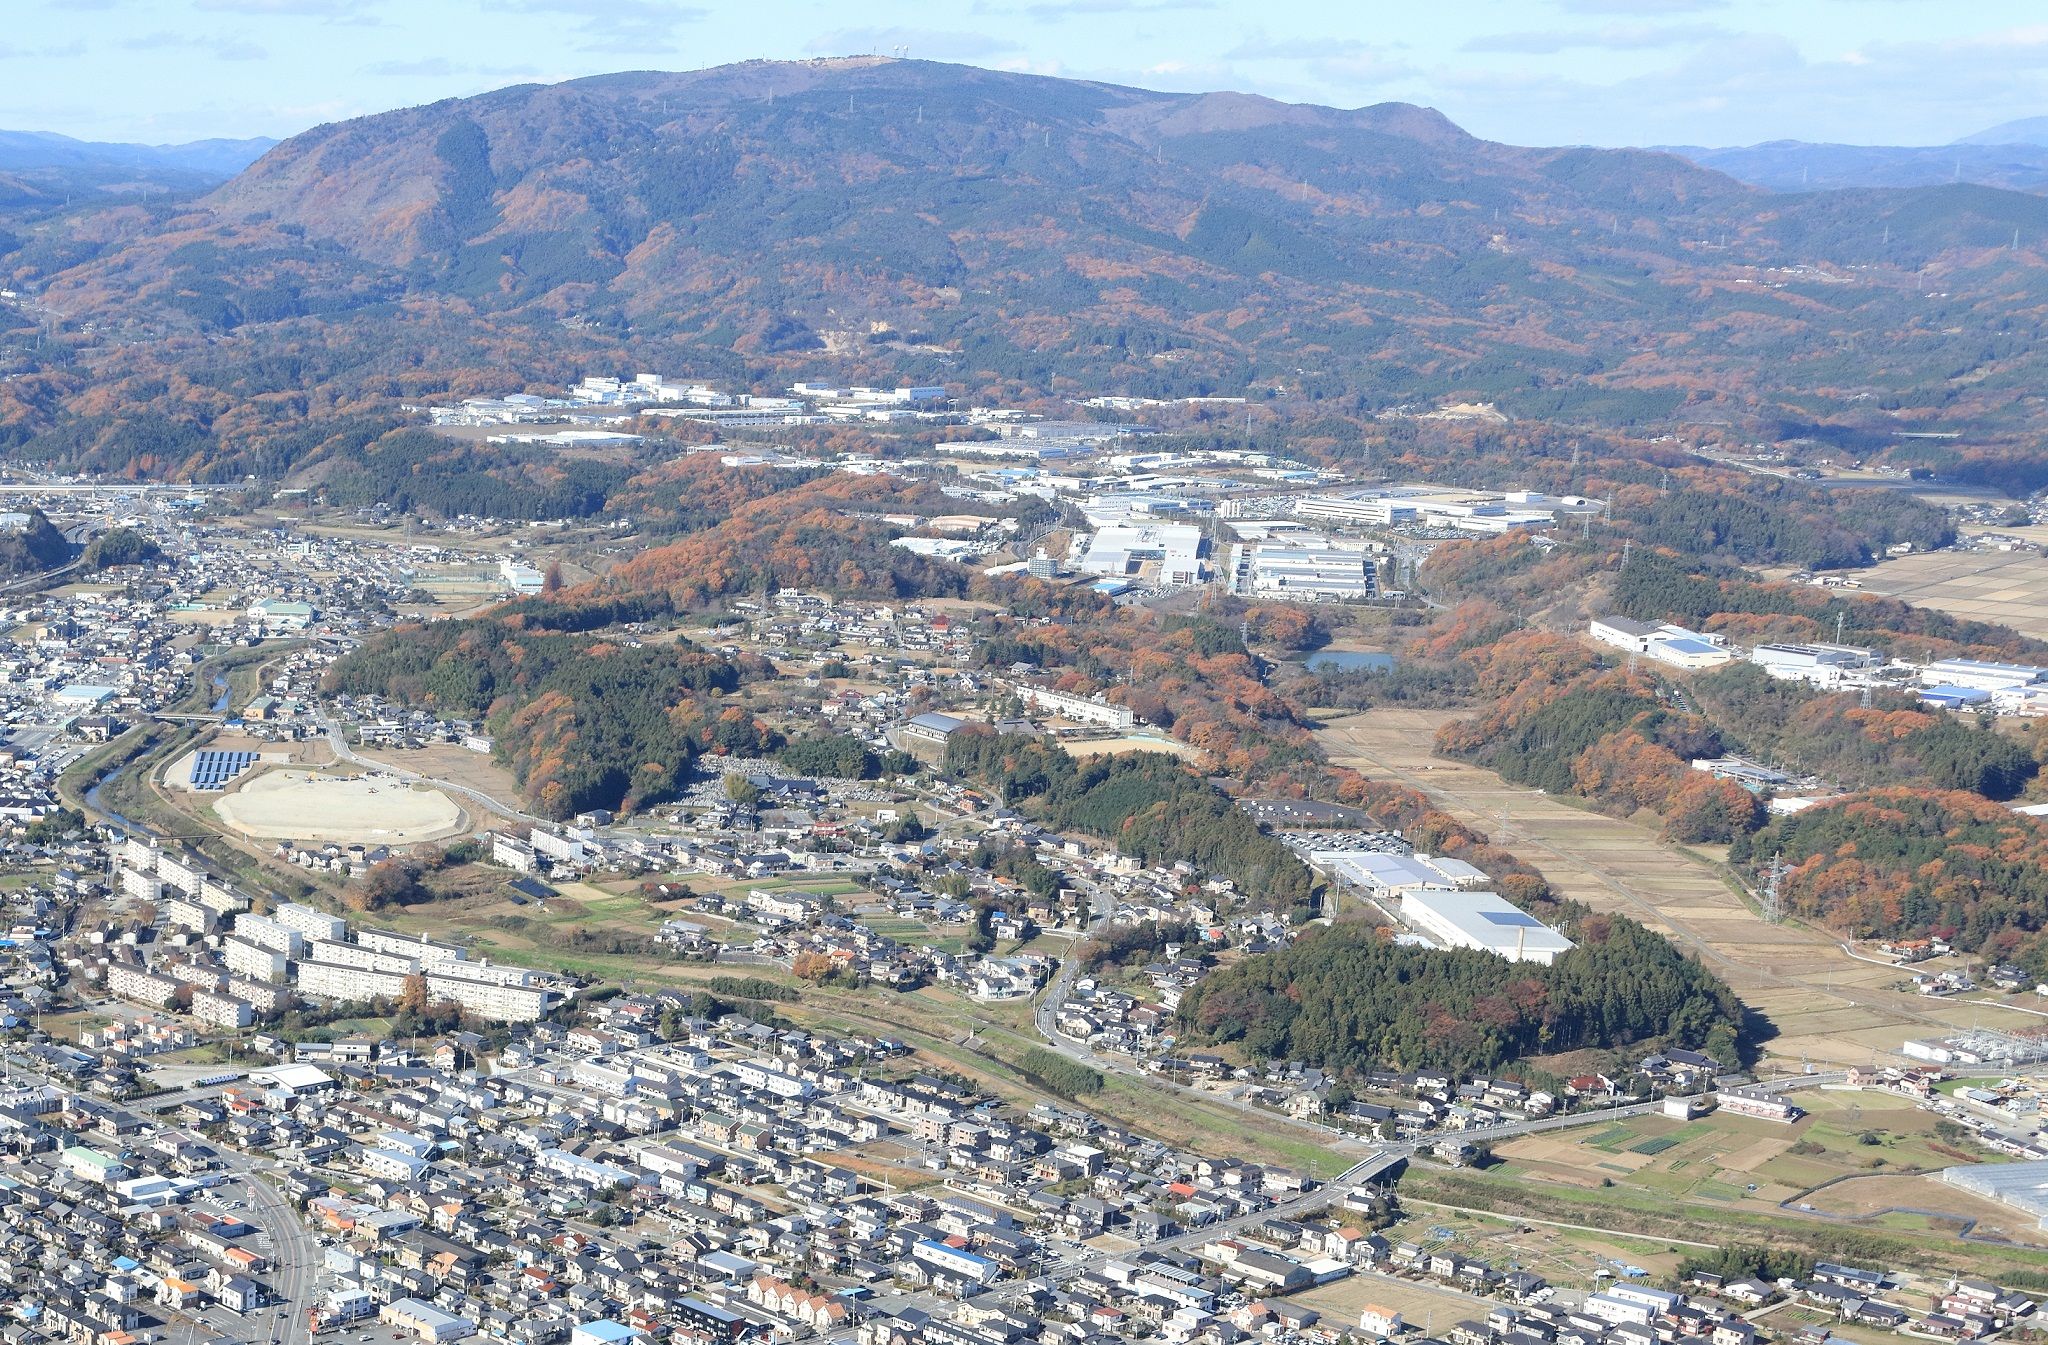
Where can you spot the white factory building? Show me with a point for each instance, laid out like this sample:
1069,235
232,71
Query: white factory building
1444,507
1122,550
1660,640
1824,665
1314,570
1978,675
1374,510
1482,920
1376,872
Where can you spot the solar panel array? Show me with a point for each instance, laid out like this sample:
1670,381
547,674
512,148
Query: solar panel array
213,770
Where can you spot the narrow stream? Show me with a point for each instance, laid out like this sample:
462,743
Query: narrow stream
92,798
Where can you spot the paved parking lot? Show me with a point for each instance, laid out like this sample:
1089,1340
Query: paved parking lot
366,1332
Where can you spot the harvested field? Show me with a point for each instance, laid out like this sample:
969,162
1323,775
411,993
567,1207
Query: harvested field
1419,1302
1898,1201
1752,1156
2008,587
1856,1155
1828,1008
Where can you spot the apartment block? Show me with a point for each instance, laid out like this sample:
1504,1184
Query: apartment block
313,924
222,1011
253,960
269,933
353,985
140,987
410,945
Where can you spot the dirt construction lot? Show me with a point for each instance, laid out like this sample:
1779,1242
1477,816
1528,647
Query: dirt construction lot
297,805
456,765
1828,1007
2008,587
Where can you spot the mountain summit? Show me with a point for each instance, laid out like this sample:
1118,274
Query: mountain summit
949,221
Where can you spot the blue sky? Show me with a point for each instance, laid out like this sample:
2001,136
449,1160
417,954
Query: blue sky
1713,72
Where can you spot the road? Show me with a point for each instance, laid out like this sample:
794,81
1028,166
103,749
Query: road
1364,1170
1565,1120
1627,866
39,580
1374,1165
343,752
294,1254
1045,1018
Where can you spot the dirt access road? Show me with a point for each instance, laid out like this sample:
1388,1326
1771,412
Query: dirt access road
1828,1007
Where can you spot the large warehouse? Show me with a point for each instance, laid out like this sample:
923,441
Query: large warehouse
1482,920
1123,550
1339,574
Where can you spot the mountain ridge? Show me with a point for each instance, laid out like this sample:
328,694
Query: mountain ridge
218,157
2023,131
1017,236
1801,165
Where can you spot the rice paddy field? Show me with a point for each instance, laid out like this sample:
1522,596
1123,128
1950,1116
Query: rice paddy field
1853,1177
2008,587
1738,1159
1826,1007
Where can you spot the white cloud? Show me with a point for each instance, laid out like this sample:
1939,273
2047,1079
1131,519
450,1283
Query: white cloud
1263,48
638,26
329,11
1641,7
440,67
1071,9
1608,37
1747,88
59,51
231,49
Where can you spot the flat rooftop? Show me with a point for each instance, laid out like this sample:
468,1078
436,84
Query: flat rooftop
1489,919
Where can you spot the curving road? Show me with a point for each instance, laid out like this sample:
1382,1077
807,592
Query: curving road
343,752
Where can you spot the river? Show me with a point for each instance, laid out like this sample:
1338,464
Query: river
92,800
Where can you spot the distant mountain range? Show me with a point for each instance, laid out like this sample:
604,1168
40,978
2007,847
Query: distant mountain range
2013,156
218,160
878,218
2025,131
40,171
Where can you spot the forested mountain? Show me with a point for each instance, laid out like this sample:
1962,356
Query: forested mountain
32,548
1348,999
43,174
584,721
2024,131
1894,862
1151,806
1015,235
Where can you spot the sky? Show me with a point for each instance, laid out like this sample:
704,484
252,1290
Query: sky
1600,72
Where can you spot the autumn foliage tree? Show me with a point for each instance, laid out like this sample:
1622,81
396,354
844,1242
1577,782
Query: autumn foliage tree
1717,811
